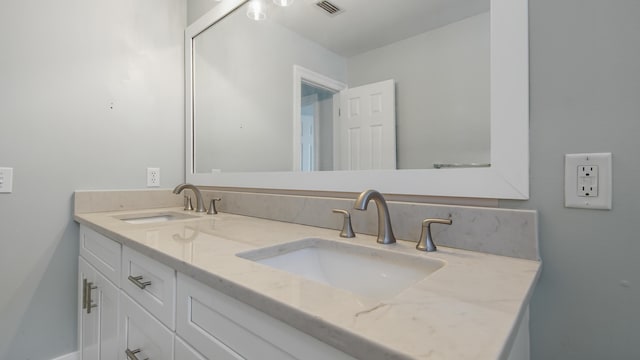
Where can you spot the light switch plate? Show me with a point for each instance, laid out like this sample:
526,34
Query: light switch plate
6,180
588,181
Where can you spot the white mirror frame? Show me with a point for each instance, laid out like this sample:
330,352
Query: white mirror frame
508,176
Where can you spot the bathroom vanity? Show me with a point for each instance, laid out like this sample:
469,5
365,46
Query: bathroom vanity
162,283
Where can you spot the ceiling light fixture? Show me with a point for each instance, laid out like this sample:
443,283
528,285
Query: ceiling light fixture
283,2
257,10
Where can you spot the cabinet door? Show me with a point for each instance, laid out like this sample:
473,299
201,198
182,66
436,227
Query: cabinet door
98,316
142,335
151,284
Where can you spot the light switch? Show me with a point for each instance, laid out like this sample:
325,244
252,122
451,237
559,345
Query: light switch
587,181
6,180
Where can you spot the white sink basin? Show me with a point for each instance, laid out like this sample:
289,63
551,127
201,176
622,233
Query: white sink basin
154,218
372,273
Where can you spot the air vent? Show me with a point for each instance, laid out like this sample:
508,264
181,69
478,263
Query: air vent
329,8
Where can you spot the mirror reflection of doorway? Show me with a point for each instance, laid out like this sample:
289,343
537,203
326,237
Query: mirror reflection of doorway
316,120
351,129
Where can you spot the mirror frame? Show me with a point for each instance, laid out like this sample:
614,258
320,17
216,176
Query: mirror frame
508,176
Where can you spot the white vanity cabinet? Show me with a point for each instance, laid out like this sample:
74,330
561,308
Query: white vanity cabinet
137,306
112,325
221,327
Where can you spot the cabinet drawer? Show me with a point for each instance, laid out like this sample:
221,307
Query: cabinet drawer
186,352
101,252
142,334
151,284
207,318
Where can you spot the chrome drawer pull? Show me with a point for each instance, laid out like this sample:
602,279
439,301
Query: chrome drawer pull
131,355
136,281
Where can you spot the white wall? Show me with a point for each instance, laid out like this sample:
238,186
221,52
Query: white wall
442,92
244,93
92,94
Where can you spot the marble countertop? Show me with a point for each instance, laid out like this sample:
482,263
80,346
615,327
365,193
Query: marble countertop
468,309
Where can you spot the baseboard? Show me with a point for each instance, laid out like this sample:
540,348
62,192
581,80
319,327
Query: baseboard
70,356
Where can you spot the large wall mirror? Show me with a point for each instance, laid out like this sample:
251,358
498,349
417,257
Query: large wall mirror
409,97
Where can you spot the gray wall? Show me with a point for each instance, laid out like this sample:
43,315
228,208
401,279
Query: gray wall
92,94
442,92
585,97
63,62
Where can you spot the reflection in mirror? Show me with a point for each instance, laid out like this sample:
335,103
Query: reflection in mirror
507,177
424,64
316,125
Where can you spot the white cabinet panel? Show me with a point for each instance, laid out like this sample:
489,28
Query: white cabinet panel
186,352
151,284
101,252
208,319
98,314
142,334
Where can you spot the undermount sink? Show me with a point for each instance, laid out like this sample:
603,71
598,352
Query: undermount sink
365,271
154,218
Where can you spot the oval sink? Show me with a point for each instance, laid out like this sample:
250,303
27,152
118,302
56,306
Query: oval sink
372,273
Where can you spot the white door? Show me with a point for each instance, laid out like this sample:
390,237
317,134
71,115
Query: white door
367,127
99,323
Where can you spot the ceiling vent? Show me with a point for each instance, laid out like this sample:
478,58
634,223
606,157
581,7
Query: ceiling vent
329,8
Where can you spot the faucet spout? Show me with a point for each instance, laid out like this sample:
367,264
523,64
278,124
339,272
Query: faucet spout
385,232
199,201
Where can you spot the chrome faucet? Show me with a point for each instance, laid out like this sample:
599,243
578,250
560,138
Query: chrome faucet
199,201
385,233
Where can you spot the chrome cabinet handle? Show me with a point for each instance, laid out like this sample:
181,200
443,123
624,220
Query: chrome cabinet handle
88,302
136,281
131,354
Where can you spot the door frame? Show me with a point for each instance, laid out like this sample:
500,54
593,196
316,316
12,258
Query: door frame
301,74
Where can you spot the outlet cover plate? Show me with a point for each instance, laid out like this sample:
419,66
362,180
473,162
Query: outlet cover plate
574,194
6,180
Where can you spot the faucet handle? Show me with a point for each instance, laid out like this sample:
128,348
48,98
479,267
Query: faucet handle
347,229
212,206
426,241
188,206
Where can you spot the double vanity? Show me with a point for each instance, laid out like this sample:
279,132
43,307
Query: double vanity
159,282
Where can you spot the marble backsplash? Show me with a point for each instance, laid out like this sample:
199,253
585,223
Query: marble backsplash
491,230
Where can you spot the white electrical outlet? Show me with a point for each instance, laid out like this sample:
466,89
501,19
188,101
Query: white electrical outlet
587,181
153,177
6,180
